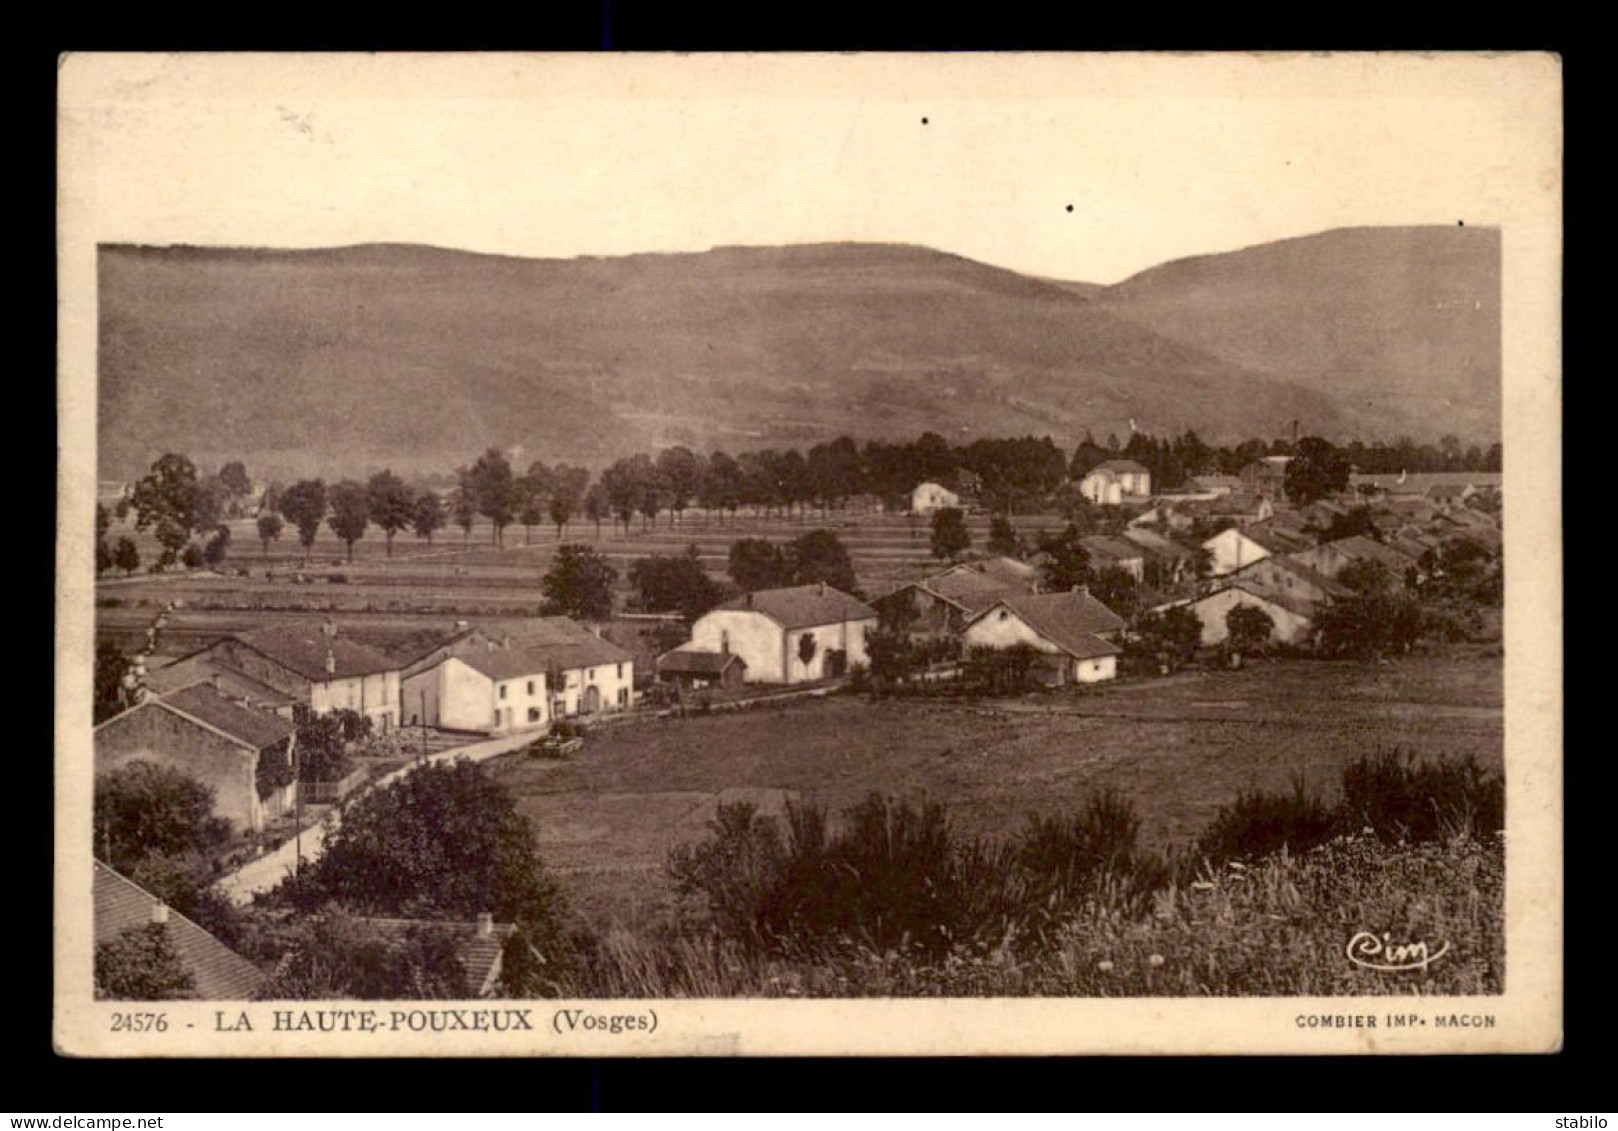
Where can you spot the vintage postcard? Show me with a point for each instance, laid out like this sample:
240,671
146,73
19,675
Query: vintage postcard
784,555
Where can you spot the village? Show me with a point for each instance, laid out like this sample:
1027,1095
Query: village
983,586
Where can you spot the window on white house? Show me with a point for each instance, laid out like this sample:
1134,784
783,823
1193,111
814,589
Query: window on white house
530,687
592,675
533,714
623,696
502,691
620,671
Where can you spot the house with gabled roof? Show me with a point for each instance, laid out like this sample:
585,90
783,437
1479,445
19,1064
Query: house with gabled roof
1076,631
941,603
1331,558
313,665
1293,617
217,972
1286,575
1240,546
1167,562
553,668
926,498
243,754
1108,552
793,635
1267,476
1115,482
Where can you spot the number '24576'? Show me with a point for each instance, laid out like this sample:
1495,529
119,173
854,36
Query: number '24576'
140,1023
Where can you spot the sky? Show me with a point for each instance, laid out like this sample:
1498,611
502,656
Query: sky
1076,167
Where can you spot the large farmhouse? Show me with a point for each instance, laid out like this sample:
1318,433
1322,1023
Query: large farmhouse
1073,629
793,635
495,685
311,665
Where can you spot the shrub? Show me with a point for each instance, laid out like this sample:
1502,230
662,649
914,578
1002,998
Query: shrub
141,965
1257,824
1404,798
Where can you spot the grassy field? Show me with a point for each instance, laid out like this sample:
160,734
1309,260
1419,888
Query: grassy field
1179,747
421,587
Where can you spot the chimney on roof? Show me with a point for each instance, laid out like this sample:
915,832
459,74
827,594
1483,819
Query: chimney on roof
160,912
214,680
485,925
460,626
749,598
1082,590
822,588
331,661
329,627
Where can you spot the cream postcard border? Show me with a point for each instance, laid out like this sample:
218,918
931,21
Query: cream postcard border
97,92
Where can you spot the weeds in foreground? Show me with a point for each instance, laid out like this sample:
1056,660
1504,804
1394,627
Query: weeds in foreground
895,903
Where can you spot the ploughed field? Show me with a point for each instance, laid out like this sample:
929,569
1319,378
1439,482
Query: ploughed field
1180,747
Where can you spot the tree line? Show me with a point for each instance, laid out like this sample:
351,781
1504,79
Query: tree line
187,511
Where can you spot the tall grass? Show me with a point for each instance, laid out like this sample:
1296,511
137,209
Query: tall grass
893,902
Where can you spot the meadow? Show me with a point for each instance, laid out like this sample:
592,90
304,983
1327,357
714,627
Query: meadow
1179,748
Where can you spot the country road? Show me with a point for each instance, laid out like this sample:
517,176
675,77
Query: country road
260,875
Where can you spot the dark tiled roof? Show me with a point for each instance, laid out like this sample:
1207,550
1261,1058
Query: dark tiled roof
202,668
1105,546
803,606
1121,467
1364,549
564,643
480,954
1275,540
1071,621
1287,601
217,972
959,585
255,727
1157,545
302,648
693,662
1293,566
504,663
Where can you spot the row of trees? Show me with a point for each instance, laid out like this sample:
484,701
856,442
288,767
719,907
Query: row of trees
1007,475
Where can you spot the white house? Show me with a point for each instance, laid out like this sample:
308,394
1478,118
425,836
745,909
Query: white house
1072,628
930,497
1241,546
1293,617
1115,482
554,669
490,690
793,635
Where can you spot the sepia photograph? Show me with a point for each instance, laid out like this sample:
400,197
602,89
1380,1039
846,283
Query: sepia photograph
807,554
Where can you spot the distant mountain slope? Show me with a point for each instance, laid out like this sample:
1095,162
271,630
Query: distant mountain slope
341,359
1400,327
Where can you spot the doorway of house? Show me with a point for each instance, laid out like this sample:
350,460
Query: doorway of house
592,699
